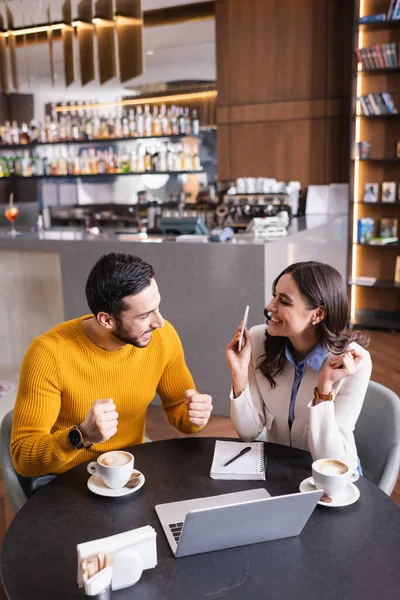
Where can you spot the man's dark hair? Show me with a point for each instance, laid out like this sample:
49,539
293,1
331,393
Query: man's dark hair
114,277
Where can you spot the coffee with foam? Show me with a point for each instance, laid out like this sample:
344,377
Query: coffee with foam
115,459
332,476
332,467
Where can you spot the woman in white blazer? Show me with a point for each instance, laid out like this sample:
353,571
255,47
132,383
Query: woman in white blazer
301,376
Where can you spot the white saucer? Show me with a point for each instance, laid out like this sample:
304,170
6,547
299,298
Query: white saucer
350,495
97,486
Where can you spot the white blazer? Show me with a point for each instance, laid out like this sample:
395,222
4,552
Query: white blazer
325,430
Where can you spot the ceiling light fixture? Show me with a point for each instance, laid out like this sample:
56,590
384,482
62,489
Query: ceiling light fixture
82,24
149,52
128,20
157,100
103,22
36,29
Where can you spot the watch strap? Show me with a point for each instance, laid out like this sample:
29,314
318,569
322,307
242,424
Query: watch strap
82,444
319,396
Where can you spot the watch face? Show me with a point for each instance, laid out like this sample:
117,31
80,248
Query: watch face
74,438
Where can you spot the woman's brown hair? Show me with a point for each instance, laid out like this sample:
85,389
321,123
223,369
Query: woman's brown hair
321,285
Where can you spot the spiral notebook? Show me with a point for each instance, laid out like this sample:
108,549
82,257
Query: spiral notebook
248,466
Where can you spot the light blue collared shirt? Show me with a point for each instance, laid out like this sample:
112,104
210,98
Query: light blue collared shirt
314,359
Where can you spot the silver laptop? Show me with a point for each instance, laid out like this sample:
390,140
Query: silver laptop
237,519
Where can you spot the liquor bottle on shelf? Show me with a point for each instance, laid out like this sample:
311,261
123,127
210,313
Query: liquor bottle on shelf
156,122
14,132
165,123
24,137
101,163
162,162
147,121
34,132
181,122
147,160
110,126
26,164
88,126
196,165
133,162
174,121
125,126
118,128
132,123
195,123
188,122
139,122
96,127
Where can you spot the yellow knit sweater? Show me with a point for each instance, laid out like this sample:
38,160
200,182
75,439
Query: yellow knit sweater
63,373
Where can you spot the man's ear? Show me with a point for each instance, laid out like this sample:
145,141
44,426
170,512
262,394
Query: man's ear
105,320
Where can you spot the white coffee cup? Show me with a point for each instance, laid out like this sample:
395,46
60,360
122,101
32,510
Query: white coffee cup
115,468
332,476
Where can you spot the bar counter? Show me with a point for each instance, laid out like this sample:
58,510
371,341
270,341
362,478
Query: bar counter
204,286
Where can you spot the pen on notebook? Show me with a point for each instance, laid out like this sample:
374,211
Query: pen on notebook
247,449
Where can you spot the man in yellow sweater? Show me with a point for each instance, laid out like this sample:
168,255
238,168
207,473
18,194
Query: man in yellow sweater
86,384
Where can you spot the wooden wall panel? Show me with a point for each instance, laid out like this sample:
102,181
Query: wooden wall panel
268,148
68,44
4,85
85,32
222,55
284,86
129,30
105,40
12,48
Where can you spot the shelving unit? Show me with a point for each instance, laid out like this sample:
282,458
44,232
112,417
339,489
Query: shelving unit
381,71
379,283
380,25
374,306
98,175
94,142
17,152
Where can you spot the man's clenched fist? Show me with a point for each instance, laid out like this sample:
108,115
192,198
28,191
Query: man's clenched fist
100,423
199,407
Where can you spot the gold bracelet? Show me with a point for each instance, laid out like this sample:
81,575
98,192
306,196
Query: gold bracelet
319,396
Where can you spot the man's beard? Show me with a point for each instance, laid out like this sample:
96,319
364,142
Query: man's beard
122,336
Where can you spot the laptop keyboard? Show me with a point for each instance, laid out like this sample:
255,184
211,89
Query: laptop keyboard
176,530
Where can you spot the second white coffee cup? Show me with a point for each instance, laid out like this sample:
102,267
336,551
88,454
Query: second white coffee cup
332,476
115,468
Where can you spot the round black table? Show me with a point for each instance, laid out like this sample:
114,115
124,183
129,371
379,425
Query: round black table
351,552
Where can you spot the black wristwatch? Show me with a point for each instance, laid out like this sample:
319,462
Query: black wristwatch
75,438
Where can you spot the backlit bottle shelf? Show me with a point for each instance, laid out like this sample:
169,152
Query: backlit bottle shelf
105,175
95,142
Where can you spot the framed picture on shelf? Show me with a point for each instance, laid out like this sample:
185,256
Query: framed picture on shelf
388,191
398,149
365,230
371,191
388,228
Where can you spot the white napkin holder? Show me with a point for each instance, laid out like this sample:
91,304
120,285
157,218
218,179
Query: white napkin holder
132,552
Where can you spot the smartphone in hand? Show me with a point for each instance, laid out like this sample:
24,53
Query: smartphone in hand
246,314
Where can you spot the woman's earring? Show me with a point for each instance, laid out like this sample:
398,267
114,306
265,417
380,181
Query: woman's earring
314,323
